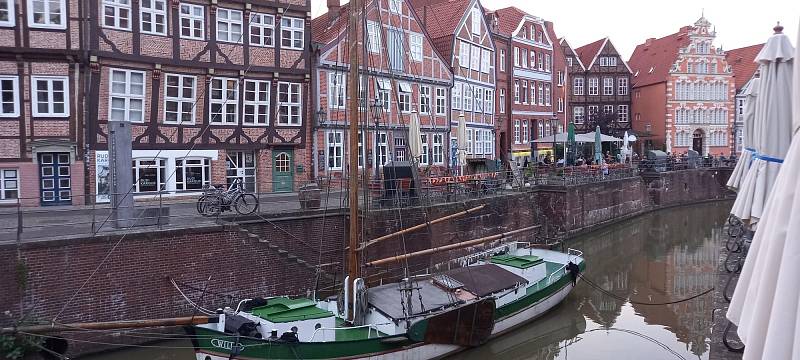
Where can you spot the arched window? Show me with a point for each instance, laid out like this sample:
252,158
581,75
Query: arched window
283,163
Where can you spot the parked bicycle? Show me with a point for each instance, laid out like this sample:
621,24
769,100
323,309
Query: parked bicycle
215,200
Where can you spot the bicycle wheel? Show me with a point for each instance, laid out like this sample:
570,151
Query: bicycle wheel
209,205
246,204
201,205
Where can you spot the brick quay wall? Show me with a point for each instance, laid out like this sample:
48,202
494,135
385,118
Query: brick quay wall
218,265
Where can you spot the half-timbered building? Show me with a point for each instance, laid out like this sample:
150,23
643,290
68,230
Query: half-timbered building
401,73
41,112
459,32
214,91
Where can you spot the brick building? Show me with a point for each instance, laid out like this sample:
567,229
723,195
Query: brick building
41,109
459,32
743,65
526,88
683,93
599,91
401,71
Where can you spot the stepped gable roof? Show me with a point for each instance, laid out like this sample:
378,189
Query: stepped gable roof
587,53
742,62
652,60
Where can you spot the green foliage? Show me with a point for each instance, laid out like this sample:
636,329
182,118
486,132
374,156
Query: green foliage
22,275
16,347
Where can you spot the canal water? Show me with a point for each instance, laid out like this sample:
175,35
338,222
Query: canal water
659,257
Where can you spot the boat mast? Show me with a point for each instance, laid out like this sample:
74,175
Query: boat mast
353,113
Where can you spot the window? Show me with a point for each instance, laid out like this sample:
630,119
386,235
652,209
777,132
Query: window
533,59
423,158
593,111
415,46
256,102
153,16
335,149
540,63
569,61
516,91
262,29
463,54
475,53
383,90
336,90
502,104
622,86
524,92
560,104
404,97
523,58
192,174
116,14
395,49
525,134
689,67
192,21
608,86
560,78
489,101
51,13
502,60
374,42
476,21
468,97
229,25
478,99
516,56
577,114
517,136
441,104
544,95
577,86
127,95
9,184
622,113
455,97
179,97
608,61
608,109
438,149
292,32
469,141
399,148
149,175
478,148
396,6
593,86
7,14
547,99
381,149
540,126
547,63
485,61
9,101
224,101
50,96
290,101
425,99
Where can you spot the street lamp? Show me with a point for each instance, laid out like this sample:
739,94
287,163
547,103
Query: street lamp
377,112
321,117
552,131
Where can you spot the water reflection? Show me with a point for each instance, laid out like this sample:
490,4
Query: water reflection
660,257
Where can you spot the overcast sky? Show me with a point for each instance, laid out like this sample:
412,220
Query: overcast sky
629,23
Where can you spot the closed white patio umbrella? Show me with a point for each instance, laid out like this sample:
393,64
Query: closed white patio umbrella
743,164
766,302
772,127
462,142
414,137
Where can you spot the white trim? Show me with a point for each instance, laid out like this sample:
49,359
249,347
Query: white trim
257,102
230,20
289,104
180,99
12,14
223,102
47,24
293,32
14,93
262,26
51,80
192,18
341,144
154,12
118,6
126,96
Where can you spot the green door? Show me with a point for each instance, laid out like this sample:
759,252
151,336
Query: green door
282,171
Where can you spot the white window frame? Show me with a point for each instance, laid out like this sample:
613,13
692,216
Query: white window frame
560,78
119,7
404,97
463,54
48,23
6,179
11,13
295,29
127,96
488,107
578,115
608,86
516,91
469,95
381,154
502,60
622,86
383,89
437,156
415,46
396,6
476,21
502,102
203,163
475,55
193,20
231,36
523,58
455,101
154,13
337,93
577,86
374,32
470,136
560,104
486,62
526,136
291,109
424,99
258,21
593,86
608,109
181,100
547,94
441,101
14,95
517,132
516,56
259,107
548,63
222,119
331,145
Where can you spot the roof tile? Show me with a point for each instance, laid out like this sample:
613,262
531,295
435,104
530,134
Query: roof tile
652,60
742,62
587,52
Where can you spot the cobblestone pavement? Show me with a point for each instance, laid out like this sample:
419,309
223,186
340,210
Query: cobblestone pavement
718,349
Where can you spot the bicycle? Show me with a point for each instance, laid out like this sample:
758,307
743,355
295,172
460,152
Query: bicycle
215,200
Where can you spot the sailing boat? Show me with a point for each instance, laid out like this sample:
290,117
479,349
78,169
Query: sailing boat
420,317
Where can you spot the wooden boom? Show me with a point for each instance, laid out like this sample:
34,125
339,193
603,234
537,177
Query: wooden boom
449,247
420,226
111,325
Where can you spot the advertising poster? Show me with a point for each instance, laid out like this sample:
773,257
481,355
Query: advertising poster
101,177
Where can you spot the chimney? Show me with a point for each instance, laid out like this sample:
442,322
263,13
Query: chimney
334,7
649,41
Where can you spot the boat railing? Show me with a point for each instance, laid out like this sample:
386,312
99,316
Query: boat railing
469,259
369,327
571,254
